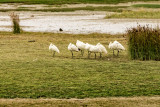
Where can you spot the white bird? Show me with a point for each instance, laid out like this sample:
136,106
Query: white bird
54,49
94,49
81,46
116,46
72,47
87,48
102,48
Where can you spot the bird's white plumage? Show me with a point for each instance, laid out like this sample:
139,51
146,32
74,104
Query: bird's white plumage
102,48
80,45
110,46
72,47
94,49
53,48
87,46
116,46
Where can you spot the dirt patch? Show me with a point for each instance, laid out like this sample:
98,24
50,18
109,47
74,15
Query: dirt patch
95,102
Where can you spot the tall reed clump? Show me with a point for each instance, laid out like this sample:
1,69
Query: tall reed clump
144,43
15,20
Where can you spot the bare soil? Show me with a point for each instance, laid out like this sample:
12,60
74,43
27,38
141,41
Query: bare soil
95,102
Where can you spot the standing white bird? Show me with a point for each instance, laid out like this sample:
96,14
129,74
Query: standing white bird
54,49
81,46
102,48
94,49
116,46
87,48
72,47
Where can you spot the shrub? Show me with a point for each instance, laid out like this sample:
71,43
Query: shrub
15,20
144,43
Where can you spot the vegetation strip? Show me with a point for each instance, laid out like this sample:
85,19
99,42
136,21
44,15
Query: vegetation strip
90,8
68,1
136,14
147,5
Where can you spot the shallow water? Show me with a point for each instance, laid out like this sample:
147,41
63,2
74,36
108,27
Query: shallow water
80,22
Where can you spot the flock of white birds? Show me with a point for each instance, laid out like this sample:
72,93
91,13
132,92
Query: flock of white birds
81,46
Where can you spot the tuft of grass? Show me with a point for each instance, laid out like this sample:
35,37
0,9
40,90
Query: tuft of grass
136,14
147,5
28,69
144,43
15,21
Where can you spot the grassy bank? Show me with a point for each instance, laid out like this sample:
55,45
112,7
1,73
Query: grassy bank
88,8
136,14
147,5
96,102
69,1
28,69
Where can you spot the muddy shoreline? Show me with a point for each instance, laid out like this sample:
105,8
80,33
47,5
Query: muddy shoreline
79,22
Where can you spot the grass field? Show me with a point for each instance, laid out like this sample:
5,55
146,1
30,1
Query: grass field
68,1
142,14
28,70
147,5
87,8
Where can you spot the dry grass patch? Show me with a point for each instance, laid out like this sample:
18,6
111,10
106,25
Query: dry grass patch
95,102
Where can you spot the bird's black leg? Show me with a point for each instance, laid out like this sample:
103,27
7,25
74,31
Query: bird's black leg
72,54
113,52
81,52
118,53
95,55
100,55
89,54
54,53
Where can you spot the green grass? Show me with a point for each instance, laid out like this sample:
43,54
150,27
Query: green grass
136,14
28,70
89,8
68,1
147,5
